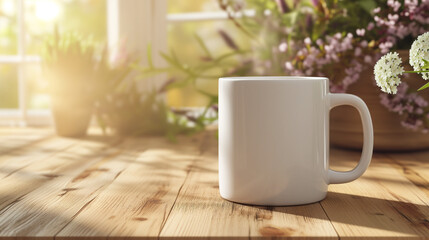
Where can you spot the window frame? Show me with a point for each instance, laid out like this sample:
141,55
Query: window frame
20,115
139,22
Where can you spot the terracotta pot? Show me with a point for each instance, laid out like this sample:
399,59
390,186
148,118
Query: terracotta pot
389,135
71,120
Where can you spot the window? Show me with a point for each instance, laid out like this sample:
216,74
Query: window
24,24
164,24
205,18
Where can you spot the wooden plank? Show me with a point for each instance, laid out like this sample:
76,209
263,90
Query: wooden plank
22,156
414,166
150,188
60,201
17,159
139,201
200,212
14,138
48,175
382,203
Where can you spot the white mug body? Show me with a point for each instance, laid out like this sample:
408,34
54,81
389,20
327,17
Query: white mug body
273,140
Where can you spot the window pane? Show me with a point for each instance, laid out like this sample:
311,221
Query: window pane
37,96
181,6
86,17
181,38
8,28
8,86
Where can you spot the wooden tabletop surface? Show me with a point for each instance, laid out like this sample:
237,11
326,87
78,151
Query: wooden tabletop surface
130,188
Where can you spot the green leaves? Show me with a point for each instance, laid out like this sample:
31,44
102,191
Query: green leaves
426,65
423,87
171,122
203,46
368,5
425,68
70,66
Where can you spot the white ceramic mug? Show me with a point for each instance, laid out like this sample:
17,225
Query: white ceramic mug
274,139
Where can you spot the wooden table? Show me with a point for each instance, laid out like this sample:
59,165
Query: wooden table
130,188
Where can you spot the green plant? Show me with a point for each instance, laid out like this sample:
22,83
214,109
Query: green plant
210,68
125,110
79,79
275,23
69,66
398,97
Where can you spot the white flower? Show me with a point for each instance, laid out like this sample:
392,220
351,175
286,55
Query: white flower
419,51
288,66
307,41
387,71
283,47
360,32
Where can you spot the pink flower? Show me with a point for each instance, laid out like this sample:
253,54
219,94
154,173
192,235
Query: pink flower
337,36
283,47
358,52
315,2
394,4
288,66
307,41
360,32
367,59
393,17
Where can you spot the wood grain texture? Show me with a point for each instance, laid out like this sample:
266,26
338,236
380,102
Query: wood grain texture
203,213
15,138
46,180
148,188
139,201
382,203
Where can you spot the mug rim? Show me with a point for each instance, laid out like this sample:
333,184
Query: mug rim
273,78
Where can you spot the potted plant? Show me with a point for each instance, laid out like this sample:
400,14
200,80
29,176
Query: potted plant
388,72
69,67
123,109
396,24
337,39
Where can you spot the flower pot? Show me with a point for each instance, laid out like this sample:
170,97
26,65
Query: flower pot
389,134
71,120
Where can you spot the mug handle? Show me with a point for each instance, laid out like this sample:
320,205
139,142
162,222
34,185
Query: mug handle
368,137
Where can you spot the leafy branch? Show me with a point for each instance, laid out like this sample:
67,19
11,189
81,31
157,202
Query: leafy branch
183,75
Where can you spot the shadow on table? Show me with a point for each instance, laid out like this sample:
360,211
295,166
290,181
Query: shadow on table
390,215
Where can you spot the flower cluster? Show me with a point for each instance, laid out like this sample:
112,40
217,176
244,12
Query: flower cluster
387,71
325,58
410,106
419,54
388,68
394,26
399,20
339,40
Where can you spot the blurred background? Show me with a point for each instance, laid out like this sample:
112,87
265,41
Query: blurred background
139,67
25,25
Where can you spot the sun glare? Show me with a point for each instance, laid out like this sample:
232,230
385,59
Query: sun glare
47,10
8,7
